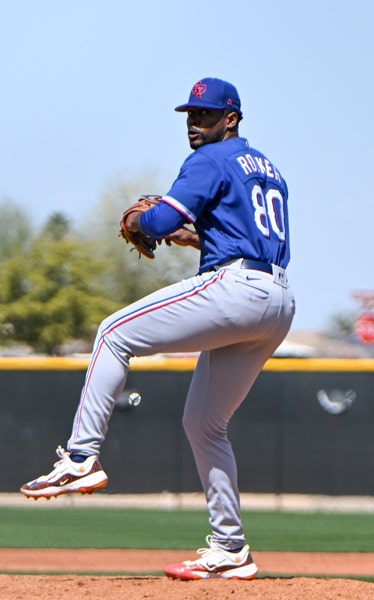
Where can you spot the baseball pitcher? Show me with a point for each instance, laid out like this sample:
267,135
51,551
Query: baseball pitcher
229,201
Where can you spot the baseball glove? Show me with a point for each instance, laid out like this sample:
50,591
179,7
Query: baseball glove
142,243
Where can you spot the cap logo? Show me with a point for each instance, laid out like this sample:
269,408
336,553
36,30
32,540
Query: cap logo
229,101
199,89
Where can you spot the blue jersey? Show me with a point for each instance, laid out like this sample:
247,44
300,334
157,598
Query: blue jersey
237,201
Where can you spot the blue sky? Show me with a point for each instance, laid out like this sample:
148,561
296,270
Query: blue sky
88,95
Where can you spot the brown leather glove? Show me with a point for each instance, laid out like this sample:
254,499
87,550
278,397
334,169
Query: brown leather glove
141,242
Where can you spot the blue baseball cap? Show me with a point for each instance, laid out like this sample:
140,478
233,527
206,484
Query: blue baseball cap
213,93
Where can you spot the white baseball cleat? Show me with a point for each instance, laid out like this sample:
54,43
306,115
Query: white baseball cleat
68,476
215,562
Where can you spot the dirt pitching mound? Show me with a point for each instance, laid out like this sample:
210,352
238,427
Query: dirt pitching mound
14,587
65,578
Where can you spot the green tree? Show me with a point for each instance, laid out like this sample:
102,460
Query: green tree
341,325
53,294
54,288
16,229
57,227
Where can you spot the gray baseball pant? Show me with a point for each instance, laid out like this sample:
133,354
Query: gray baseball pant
236,318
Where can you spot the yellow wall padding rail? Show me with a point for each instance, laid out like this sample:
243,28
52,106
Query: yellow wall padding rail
176,363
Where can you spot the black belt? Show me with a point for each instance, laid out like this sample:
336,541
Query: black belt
257,265
248,263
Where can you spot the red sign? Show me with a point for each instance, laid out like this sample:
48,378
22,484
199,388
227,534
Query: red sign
365,327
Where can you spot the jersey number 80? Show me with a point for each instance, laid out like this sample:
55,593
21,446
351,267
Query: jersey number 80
269,212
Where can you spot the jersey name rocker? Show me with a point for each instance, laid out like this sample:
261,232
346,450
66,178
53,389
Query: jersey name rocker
258,164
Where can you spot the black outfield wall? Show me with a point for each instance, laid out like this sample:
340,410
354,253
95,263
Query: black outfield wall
306,426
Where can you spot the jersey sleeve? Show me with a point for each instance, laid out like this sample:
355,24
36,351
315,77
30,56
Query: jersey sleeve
161,220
